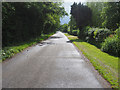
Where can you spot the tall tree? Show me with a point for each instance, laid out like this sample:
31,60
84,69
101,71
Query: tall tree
82,15
96,8
25,20
111,15
72,24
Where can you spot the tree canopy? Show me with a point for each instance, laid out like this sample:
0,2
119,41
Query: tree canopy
82,14
105,14
25,20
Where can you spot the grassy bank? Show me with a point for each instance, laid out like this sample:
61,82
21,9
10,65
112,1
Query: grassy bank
106,64
9,51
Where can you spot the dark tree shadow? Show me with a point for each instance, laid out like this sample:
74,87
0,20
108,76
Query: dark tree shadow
74,40
55,37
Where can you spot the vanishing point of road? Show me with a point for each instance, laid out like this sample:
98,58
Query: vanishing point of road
53,63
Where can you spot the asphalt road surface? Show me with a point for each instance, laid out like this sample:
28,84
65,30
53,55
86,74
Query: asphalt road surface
53,63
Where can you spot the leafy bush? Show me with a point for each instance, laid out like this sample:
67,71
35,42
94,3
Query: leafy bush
98,34
84,32
118,32
68,31
64,28
101,34
111,45
8,52
75,32
91,33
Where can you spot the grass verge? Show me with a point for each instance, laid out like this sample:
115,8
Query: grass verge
9,51
106,64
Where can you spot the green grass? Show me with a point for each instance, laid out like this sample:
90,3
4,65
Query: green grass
9,51
106,64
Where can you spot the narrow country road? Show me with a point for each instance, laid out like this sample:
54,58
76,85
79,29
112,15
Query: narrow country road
54,63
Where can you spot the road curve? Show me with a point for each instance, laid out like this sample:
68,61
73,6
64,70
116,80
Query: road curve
53,63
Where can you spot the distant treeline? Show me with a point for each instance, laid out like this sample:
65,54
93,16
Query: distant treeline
22,21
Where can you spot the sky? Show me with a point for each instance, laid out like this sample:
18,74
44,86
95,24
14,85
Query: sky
67,5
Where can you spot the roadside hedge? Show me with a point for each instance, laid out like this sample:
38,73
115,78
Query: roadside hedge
112,44
98,34
105,39
73,32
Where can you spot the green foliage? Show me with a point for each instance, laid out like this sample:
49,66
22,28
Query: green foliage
84,33
68,31
118,32
75,32
111,45
98,34
94,35
72,24
96,8
23,21
82,15
64,27
9,51
110,15
105,14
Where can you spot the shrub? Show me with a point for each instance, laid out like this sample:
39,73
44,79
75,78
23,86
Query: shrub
102,34
68,31
111,45
98,34
91,34
82,34
75,32
118,32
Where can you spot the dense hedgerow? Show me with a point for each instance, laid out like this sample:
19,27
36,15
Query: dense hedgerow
112,44
68,31
73,32
98,34
84,33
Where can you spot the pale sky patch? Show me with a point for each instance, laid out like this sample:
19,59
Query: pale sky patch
67,5
77,1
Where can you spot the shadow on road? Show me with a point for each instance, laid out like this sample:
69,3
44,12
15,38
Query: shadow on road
74,40
46,43
69,41
54,37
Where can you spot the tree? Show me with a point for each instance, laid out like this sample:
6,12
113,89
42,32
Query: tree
23,21
96,8
82,15
64,27
72,24
111,15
